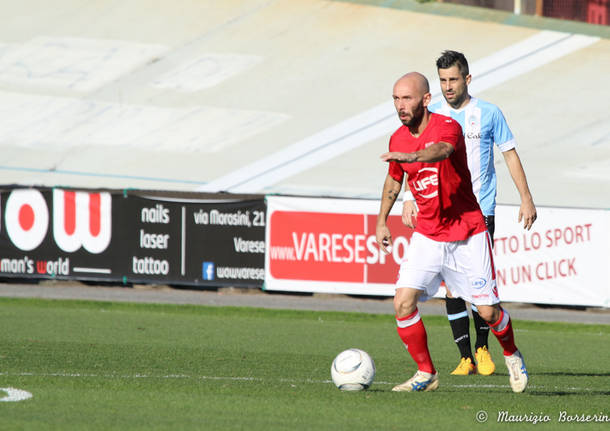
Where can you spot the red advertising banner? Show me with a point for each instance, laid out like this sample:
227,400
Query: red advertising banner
336,251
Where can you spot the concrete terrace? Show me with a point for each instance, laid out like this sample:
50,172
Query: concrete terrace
284,96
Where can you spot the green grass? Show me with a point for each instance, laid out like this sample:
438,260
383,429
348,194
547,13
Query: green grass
102,366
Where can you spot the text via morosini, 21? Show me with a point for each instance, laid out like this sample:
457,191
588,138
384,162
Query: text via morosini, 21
236,218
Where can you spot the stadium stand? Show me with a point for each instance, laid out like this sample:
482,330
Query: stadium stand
281,96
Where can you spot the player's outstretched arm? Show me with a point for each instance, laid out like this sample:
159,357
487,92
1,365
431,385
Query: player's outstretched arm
527,211
391,189
434,153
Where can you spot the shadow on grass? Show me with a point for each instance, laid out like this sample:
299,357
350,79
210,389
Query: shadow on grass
571,374
558,374
579,393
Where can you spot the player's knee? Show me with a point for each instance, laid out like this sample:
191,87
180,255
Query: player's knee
489,313
403,309
405,303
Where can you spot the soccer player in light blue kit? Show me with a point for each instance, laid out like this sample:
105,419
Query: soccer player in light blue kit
483,126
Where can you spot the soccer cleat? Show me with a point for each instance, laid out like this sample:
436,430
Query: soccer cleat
485,366
517,371
420,382
464,368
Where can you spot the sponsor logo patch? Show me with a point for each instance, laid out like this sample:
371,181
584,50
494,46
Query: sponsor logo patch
427,183
478,283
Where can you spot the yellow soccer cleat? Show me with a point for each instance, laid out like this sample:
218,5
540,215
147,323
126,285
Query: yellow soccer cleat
464,368
485,366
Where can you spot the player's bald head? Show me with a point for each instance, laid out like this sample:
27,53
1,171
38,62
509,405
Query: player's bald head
411,98
416,81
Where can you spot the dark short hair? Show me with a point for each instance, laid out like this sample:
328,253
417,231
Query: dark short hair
452,58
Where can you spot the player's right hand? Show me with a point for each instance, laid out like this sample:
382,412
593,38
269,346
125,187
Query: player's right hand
398,157
384,238
409,214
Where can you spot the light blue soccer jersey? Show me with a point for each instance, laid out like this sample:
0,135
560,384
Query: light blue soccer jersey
483,125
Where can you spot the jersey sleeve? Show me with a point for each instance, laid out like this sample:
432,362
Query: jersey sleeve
450,132
394,169
502,135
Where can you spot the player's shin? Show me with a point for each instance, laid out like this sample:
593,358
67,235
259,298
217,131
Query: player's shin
460,325
503,330
413,334
482,329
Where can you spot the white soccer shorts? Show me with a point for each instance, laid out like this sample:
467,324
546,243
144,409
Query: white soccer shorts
466,266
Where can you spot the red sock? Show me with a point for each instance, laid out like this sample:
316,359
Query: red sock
503,330
413,334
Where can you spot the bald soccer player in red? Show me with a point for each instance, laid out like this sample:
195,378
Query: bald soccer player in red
450,241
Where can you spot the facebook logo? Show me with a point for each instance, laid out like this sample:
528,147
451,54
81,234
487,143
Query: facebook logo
207,271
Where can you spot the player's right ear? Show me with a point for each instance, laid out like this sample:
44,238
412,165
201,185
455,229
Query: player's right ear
427,99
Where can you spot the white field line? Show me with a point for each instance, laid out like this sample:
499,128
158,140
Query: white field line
14,395
381,120
255,379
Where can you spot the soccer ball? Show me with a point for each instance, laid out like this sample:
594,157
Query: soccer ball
353,370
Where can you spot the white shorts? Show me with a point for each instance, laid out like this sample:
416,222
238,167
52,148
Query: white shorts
466,267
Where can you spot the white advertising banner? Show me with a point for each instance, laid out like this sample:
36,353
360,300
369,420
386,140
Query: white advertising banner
328,245
563,259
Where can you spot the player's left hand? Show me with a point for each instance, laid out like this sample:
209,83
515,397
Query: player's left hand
527,213
409,214
394,156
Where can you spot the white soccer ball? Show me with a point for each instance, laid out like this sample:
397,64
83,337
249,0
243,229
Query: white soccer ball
353,370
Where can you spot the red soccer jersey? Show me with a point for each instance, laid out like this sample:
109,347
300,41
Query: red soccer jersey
448,209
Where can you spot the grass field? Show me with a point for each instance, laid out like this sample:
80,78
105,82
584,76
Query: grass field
102,366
